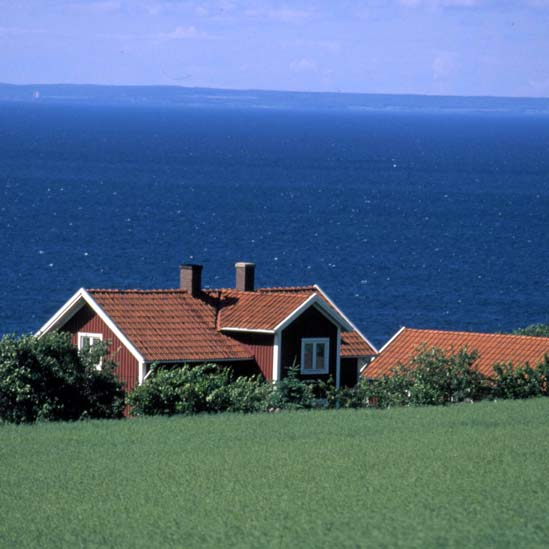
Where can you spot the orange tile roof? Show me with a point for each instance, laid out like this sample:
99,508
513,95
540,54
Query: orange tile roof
492,348
167,325
288,289
171,325
259,310
353,345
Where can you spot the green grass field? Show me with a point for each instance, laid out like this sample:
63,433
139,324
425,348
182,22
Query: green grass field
468,475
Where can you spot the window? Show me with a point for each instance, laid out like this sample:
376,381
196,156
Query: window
86,341
315,355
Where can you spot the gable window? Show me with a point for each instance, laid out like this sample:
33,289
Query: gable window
87,340
315,355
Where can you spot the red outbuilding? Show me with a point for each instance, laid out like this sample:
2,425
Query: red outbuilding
491,348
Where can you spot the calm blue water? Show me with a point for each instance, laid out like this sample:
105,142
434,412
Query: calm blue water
417,219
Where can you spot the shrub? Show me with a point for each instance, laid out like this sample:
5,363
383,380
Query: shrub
433,377
48,379
359,396
209,388
326,394
201,388
441,377
181,390
543,371
291,393
521,381
249,395
537,330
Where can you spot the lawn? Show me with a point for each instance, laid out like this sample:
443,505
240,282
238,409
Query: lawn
468,475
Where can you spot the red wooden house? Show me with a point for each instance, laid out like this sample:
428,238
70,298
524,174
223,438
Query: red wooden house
265,330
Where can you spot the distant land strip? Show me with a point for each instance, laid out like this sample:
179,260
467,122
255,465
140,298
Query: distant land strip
212,97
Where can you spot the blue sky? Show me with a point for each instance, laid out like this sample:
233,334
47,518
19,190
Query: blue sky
457,47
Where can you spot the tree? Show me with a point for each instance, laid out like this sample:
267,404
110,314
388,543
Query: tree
47,378
536,330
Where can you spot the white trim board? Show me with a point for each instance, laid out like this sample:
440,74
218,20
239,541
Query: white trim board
383,348
277,353
399,331
64,314
338,358
354,328
92,336
314,341
248,330
73,305
317,301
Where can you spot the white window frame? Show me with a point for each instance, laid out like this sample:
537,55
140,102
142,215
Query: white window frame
81,335
315,341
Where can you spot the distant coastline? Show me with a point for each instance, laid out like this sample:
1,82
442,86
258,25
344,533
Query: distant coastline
214,97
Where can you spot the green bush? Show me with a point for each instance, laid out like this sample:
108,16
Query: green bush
195,389
291,393
359,396
209,388
249,394
48,379
434,377
537,330
181,390
521,381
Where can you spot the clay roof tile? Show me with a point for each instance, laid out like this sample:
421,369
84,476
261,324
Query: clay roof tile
492,348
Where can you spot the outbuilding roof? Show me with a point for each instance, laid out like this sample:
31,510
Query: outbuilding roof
492,349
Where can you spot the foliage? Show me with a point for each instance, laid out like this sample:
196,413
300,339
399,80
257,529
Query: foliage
434,377
362,395
182,390
249,394
201,388
209,388
292,393
537,330
521,381
48,379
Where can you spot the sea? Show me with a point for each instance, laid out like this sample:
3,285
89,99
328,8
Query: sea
409,211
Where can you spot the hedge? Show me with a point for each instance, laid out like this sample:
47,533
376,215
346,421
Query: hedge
48,379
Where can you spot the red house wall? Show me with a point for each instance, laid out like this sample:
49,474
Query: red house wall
86,320
261,345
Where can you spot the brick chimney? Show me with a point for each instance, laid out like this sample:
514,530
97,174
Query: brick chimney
190,278
245,273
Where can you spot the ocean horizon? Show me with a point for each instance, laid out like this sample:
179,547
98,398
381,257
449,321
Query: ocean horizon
182,96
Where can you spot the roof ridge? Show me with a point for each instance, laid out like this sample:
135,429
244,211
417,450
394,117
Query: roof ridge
264,291
273,290
137,291
474,333
287,289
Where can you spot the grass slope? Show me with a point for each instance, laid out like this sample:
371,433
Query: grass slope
470,475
